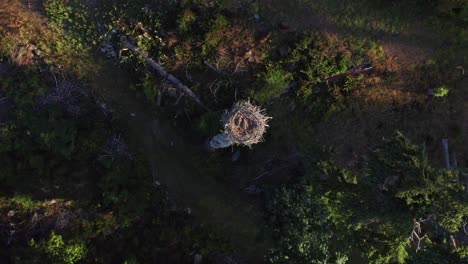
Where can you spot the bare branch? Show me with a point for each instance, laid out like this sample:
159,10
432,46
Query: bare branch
454,243
416,233
115,148
212,67
65,93
465,229
161,71
446,153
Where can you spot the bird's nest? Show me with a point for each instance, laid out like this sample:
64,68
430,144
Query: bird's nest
245,124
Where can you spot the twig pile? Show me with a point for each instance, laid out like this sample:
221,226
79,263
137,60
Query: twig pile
245,124
66,94
115,148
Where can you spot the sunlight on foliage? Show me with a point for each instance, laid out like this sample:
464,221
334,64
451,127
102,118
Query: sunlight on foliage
60,251
441,91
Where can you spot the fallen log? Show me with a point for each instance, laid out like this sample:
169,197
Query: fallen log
161,71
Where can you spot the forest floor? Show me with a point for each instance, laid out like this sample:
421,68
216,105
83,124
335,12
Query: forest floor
410,43
382,108
172,165
170,156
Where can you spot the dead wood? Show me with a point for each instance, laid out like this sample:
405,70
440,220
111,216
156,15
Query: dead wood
161,71
446,153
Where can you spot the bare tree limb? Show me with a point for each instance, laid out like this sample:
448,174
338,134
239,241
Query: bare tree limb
454,243
416,233
161,71
115,148
211,67
465,229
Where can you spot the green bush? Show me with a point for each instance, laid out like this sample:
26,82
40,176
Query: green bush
272,84
56,250
315,58
441,91
186,18
72,36
331,213
214,36
73,17
25,201
300,227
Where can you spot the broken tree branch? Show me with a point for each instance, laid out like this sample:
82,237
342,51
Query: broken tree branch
416,233
454,243
211,67
465,229
161,71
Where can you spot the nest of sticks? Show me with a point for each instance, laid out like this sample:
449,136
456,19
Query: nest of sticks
245,124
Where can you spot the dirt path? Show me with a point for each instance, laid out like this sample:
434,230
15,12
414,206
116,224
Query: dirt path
170,157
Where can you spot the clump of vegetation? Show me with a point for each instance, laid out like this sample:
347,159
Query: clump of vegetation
93,175
47,149
58,251
273,83
301,228
401,210
441,91
71,37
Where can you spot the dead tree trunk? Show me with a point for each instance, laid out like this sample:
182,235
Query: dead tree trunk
446,153
161,71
